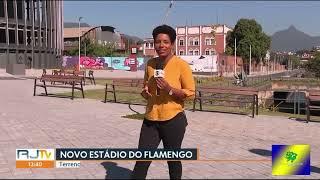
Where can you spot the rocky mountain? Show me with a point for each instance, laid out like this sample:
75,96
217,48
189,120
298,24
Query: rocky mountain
292,39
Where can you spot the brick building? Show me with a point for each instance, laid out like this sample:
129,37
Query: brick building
199,40
194,41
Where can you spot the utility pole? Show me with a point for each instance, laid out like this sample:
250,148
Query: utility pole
79,41
235,56
250,61
85,49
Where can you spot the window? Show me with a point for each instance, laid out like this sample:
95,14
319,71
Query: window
212,52
196,42
1,8
20,37
151,45
181,42
10,9
207,42
36,41
19,9
191,42
181,52
2,36
207,52
196,52
42,37
12,36
28,37
212,41
191,52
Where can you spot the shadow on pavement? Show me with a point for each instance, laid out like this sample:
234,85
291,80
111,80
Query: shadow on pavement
113,171
266,153
261,152
303,120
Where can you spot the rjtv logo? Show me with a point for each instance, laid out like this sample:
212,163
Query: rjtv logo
35,158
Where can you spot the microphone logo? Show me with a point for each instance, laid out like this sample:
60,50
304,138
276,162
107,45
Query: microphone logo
159,73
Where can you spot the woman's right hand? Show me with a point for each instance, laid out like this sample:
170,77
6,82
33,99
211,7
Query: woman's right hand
145,92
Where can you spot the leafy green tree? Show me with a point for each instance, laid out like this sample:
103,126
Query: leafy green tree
313,66
295,62
248,32
92,49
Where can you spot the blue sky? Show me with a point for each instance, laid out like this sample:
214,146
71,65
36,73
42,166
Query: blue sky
140,17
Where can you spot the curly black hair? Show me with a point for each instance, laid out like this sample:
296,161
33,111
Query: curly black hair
165,29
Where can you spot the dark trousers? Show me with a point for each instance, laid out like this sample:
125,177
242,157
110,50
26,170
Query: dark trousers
171,133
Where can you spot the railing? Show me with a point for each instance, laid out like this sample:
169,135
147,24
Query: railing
294,103
251,81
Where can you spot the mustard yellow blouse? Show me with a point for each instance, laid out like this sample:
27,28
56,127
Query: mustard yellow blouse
179,76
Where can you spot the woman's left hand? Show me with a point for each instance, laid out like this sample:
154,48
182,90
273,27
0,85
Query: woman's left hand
163,84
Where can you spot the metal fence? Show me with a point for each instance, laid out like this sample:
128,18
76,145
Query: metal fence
288,101
252,81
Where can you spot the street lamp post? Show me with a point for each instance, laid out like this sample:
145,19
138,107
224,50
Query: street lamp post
250,61
235,56
79,41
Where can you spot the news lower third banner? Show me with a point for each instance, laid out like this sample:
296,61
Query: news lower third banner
291,159
71,157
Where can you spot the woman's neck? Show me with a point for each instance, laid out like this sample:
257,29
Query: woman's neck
166,59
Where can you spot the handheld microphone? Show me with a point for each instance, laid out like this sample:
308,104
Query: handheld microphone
158,73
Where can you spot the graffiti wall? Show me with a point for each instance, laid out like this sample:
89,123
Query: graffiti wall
69,62
120,63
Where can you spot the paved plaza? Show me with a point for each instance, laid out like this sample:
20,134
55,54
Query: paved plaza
229,144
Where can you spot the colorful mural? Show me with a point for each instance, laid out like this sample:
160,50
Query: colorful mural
119,63
92,63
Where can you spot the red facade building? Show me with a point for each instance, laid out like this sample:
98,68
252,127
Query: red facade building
199,40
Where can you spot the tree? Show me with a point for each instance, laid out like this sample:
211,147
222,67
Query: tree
295,61
313,66
248,32
92,49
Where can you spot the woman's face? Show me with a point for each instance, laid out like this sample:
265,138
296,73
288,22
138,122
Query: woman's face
163,45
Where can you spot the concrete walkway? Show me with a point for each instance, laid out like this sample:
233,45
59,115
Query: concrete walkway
48,122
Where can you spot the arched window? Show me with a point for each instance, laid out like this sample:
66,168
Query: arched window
196,52
212,52
181,42
191,41
181,52
207,51
196,41
190,52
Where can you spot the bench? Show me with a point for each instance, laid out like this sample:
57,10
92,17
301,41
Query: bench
128,86
91,77
201,90
314,96
68,81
